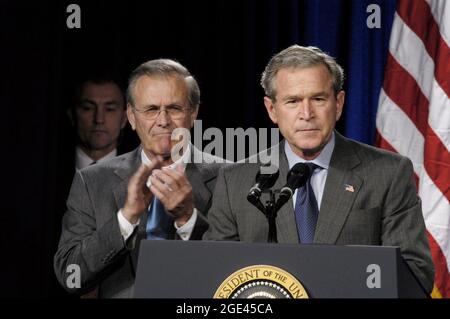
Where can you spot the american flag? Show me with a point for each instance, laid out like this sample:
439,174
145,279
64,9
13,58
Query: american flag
413,116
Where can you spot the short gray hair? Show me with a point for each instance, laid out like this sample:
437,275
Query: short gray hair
164,67
300,57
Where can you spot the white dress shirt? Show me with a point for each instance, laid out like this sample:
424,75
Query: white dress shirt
185,231
82,160
319,176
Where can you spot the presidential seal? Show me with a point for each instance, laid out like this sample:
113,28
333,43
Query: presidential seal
261,281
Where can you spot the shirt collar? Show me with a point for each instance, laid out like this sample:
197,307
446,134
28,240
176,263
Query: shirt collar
323,160
82,160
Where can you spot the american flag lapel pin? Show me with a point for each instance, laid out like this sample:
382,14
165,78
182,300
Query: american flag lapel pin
349,188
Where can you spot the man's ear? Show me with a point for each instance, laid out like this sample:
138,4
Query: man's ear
270,107
340,99
130,116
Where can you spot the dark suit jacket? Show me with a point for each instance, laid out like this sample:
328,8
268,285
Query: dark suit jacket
384,208
91,236
65,173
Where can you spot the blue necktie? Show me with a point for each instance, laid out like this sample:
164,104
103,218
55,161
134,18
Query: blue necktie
306,210
158,222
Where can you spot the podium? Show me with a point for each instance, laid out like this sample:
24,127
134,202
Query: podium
204,269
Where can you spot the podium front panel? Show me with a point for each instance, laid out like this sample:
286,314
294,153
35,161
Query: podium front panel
196,269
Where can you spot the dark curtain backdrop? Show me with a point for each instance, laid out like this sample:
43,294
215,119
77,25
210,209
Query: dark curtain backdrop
226,45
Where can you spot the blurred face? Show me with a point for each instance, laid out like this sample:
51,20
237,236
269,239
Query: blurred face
99,117
166,94
306,108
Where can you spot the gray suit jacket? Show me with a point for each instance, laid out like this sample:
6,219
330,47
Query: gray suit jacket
91,236
383,209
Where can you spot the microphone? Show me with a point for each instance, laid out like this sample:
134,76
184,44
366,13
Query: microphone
297,177
263,182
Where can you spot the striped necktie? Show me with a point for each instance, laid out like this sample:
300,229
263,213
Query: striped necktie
306,210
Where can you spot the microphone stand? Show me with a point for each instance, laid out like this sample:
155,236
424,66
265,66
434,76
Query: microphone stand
271,215
270,211
297,176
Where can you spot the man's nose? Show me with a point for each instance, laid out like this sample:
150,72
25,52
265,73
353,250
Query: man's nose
99,116
163,118
306,112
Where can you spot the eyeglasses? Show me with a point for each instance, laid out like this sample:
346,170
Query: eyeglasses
175,111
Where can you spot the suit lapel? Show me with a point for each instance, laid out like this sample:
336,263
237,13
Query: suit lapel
202,195
198,176
286,218
341,188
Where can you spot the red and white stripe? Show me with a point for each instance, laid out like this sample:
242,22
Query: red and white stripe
413,116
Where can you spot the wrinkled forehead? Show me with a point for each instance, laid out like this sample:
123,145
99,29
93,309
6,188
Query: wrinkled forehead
315,75
162,88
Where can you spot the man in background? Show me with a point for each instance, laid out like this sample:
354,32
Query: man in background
98,116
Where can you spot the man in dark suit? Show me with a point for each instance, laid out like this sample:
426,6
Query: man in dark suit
147,193
356,195
97,114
